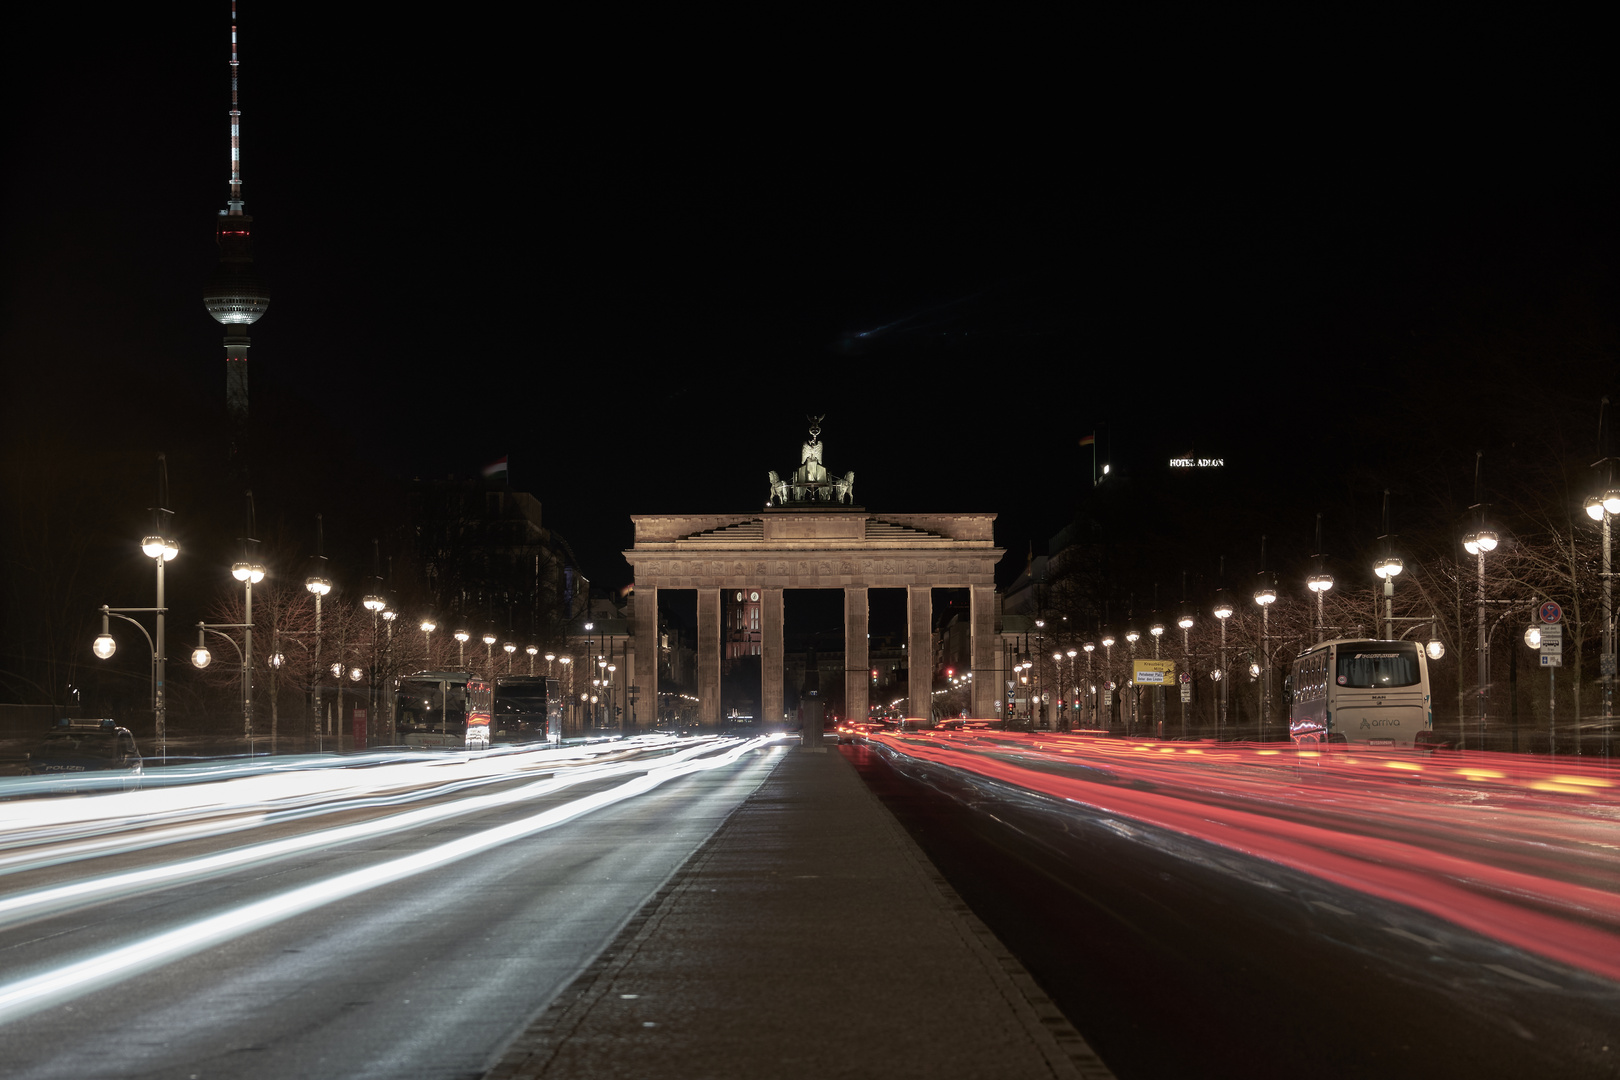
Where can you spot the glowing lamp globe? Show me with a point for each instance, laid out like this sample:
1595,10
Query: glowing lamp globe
104,646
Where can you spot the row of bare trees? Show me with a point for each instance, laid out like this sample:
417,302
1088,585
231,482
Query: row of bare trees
1549,549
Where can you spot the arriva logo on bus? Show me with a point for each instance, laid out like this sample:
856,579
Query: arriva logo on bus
1197,463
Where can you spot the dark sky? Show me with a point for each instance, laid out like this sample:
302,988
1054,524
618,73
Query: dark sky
634,260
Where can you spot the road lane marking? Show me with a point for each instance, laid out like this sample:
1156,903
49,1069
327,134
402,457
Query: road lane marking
1539,984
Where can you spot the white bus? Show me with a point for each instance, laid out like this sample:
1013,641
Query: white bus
1372,693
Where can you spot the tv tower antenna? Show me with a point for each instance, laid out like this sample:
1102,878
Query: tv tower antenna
234,295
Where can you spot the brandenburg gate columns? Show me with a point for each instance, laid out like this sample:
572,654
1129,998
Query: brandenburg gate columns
857,659
772,668
643,674
920,649
708,657
982,620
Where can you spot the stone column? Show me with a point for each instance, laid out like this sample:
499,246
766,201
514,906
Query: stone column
982,624
772,660
708,657
857,657
643,673
920,651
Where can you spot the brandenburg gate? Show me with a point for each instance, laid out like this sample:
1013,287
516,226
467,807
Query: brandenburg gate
810,535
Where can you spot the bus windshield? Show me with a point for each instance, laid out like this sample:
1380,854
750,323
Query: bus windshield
520,698
1380,666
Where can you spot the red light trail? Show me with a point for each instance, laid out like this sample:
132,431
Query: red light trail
1521,849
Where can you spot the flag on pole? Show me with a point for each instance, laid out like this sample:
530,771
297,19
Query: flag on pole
495,470
1088,440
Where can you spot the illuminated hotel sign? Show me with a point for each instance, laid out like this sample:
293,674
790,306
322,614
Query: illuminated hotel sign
1197,463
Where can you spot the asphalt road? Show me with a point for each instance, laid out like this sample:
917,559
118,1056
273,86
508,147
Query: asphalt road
1176,957
428,976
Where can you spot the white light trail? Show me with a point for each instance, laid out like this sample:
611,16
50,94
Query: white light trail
26,996
24,906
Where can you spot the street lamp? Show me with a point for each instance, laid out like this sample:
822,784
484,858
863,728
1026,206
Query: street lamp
489,653
1157,630
1074,688
1132,636
1224,610
533,652
510,649
1477,543
1319,582
1185,621
568,677
1108,675
428,626
1091,690
1601,508
462,637
249,571
158,547
1265,594
1388,568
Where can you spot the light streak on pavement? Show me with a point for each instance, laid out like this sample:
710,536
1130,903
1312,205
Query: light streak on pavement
636,773
1523,850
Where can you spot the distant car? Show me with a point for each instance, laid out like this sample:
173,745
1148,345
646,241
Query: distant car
86,746
968,725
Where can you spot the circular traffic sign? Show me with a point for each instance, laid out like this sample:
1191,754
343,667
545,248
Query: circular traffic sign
1551,612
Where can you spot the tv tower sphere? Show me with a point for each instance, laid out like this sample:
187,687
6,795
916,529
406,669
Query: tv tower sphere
234,294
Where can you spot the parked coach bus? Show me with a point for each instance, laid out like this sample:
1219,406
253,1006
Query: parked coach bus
1372,693
443,708
528,708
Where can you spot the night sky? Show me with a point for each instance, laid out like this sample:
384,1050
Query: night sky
634,261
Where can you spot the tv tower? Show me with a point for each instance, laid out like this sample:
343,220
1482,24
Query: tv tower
234,294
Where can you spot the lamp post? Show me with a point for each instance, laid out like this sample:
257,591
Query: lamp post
1157,630
533,652
1108,675
1388,568
509,648
1319,582
161,550
489,654
568,678
1074,687
249,574
104,646
1601,508
428,626
1477,543
462,637
1091,689
1132,636
318,587
1265,594
1185,621
1224,610
388,617
550,656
